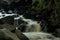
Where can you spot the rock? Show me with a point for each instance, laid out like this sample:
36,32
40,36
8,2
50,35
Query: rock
57,32
20,35
7,26
7,35
7,1
57,38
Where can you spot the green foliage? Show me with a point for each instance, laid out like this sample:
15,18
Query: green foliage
39,5
52,7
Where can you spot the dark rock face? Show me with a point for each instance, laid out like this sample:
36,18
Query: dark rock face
6,1
20,35
20,5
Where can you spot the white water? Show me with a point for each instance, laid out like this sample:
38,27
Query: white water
5,15
39,36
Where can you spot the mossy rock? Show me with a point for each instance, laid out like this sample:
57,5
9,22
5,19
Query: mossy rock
7,26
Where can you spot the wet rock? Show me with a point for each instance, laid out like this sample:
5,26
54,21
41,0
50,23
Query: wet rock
7,35
20,35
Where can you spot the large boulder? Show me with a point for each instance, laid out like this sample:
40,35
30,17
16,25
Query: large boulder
7,35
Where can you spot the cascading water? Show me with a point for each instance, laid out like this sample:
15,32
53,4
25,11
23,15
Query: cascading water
30,25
